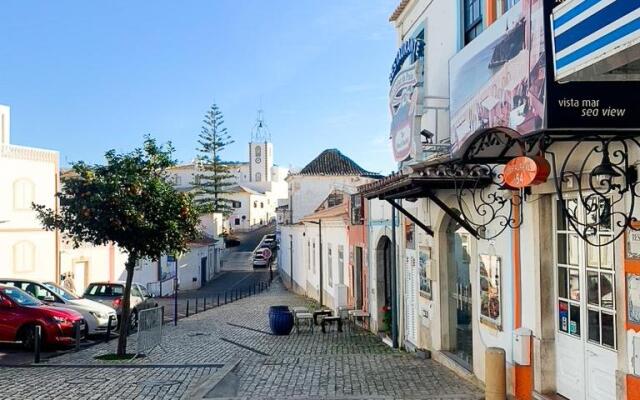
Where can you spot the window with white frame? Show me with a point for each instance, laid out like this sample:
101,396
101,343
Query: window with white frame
341,264
313,258
308,260
24,256
23,194
258,176
329,266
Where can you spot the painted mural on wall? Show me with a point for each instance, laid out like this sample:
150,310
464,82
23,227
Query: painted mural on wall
490,291
499,78
424,264
633,298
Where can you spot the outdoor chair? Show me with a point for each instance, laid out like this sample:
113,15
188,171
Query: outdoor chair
302,315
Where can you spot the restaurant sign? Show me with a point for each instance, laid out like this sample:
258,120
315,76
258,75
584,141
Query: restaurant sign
405,99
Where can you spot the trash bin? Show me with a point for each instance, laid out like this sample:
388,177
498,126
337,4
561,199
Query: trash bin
280,320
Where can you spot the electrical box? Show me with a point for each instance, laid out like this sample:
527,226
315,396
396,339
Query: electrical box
636,355
522,346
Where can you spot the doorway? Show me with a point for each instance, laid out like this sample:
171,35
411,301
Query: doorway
80,275
383,284
203,271
586,308
458,303
357,278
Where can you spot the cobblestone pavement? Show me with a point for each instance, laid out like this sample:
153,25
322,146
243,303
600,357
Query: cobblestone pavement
349,365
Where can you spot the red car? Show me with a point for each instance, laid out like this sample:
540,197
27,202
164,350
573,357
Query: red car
20,313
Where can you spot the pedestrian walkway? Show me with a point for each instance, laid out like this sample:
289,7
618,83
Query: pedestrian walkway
335,365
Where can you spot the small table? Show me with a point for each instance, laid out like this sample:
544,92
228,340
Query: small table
355,314
331,320
324,313
303,316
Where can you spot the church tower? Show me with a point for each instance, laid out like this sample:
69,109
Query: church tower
260,152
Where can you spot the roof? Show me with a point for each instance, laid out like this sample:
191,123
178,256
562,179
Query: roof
337,211
333,162
242,188
396,13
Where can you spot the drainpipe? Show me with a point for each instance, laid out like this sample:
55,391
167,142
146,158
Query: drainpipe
320,242
394,288
291,259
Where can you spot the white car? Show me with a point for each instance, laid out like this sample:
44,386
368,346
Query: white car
95,314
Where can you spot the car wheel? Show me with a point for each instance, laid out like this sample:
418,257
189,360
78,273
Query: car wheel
27,336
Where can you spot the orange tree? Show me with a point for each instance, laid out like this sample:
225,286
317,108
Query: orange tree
129,202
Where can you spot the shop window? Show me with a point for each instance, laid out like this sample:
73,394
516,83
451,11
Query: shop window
23,194
472,19
357,210
24,257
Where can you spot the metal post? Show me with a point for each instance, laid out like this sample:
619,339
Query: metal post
175,300
225,297
108,336
76,328
37,344
187,308
321,274
291,260
394,294
162,311
204,303
219,298
196,305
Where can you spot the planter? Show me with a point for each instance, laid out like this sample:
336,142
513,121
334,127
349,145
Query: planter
280,320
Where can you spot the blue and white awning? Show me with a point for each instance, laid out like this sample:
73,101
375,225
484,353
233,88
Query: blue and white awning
593,37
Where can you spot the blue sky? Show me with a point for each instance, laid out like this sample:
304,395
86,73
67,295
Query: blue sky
83,77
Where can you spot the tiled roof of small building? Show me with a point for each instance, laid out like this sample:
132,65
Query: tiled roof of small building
333,162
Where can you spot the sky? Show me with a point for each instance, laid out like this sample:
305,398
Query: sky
83,77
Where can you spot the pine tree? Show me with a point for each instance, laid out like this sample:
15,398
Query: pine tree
212,177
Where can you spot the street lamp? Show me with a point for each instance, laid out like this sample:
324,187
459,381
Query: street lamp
319,223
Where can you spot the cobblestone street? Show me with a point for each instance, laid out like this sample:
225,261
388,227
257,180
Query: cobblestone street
306,366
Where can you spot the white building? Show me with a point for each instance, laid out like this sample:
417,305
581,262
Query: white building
27,175
258,184
320,193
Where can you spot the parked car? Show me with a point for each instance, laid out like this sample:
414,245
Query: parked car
259,260
111,294
96,315
20,313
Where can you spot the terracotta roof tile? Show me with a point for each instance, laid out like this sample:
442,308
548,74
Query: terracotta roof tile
333,162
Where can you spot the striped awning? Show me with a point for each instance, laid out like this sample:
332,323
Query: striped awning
593,37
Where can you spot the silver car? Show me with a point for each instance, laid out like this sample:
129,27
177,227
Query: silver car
95,314
111,294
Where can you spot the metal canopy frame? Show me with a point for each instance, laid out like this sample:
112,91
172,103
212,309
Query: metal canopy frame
474,174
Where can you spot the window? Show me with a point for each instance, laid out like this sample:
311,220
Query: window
329,266
255,204
177,180
258,176
507,4
23,194
341,265
258,151
236,204
313,258
472,19
261,205
237,221
309,255
24,255
335,199
357,211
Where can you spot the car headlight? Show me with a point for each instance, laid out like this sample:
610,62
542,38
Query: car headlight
99,315
60,320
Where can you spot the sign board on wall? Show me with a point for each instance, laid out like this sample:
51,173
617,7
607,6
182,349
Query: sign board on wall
405,99
506,78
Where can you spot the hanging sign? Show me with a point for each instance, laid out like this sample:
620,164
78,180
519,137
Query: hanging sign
522,172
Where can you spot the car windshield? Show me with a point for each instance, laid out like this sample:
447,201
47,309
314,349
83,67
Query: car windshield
21,297
61,291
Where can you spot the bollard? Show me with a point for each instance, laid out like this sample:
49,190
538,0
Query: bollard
204,301
218,299
196,306
76,328
162,311
225,297
495,377
108,334
187,308
37,344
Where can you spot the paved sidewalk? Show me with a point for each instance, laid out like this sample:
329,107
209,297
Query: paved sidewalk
306,366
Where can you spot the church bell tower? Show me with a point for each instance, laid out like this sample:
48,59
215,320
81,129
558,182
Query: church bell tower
260,152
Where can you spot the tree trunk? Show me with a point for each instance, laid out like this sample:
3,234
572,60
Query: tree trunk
124,316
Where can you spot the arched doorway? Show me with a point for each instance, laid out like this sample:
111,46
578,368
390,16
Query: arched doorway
383,283
457,304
